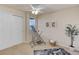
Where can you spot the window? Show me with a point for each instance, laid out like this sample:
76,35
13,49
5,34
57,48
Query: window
32,24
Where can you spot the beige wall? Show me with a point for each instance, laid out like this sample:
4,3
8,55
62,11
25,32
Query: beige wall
62,18
12,10
29,36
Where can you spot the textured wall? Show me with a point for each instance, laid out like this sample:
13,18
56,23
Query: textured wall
62,18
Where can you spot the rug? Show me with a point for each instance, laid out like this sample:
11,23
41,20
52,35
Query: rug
54,51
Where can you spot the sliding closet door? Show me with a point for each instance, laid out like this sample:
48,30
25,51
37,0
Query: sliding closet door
17,28
11,30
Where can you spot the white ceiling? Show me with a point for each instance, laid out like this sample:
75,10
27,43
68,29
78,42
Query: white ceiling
45,7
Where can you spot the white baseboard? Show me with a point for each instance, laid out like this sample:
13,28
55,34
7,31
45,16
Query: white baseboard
11,45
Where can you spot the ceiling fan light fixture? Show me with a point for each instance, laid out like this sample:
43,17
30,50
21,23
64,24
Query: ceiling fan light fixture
35,9
35,12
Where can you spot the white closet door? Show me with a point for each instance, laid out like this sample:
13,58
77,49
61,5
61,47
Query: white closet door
11,30
17,29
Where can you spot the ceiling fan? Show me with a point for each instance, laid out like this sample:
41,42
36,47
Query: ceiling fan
36,8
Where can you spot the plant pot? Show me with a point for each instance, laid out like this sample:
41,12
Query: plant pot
72,46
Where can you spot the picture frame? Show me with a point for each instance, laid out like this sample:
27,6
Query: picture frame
53,24
47,24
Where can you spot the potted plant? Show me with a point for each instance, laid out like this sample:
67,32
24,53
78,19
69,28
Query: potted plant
72,31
